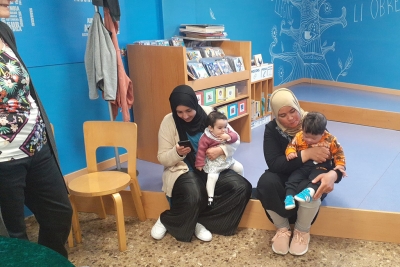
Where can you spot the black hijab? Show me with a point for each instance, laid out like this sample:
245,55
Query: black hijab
183,95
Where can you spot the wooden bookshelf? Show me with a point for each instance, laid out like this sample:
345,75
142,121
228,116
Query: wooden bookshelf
156,70
258,89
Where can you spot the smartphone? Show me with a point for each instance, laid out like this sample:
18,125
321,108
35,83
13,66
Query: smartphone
186,143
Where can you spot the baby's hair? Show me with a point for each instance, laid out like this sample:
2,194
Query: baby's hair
214,116
314,123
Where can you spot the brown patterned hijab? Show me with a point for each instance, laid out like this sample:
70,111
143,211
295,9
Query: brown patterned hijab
281,98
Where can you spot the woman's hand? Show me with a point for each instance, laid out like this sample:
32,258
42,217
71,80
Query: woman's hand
182,151
214,152
327,180
317,154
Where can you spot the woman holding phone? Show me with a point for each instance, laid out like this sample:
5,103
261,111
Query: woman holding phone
185,186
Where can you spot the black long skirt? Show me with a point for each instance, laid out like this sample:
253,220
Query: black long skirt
189,204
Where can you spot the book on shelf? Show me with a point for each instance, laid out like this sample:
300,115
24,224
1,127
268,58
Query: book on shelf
193,54
212,66
203,28
258,60
236,63
176,41
224,65
198,70
217,35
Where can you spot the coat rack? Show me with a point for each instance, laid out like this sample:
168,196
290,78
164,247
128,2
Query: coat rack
117,160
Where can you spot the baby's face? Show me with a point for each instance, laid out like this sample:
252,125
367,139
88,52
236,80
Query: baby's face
220,127
311,139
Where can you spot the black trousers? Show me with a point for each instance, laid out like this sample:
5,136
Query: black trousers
189,204
36,182
309,171
271,193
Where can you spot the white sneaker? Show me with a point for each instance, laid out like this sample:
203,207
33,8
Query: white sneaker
202,233
158,231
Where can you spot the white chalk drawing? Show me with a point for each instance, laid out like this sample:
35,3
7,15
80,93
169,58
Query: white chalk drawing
307,55
212,14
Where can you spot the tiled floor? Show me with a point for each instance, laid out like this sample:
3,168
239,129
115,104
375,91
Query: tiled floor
249,247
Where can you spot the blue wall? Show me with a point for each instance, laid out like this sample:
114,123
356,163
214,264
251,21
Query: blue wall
294,40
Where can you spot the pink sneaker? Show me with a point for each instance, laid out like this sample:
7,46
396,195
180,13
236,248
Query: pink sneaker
299,244
280,242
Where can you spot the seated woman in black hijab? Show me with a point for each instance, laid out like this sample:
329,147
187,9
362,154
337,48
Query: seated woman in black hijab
185,186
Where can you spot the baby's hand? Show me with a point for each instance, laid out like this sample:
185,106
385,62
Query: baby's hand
199,168
225,137
291,156
341,168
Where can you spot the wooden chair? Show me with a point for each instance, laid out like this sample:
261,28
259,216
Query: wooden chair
103,183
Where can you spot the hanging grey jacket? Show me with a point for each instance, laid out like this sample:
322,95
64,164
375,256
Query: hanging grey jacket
101,61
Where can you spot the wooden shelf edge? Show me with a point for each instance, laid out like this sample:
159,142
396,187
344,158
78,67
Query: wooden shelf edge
229,101
238,117
215,81
262,80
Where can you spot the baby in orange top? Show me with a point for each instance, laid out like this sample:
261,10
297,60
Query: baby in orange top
313,134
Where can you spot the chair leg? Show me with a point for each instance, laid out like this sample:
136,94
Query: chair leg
102,210
75,221
137,201
70,239
119,216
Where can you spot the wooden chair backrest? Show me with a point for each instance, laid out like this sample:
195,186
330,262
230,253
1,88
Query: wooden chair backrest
110,134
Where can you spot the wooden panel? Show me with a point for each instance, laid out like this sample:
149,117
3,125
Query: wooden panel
155,71
334,222
361,116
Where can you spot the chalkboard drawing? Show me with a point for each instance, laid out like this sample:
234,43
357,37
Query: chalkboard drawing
307,54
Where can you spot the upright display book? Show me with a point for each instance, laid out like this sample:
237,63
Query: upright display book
224,65
193,54
198,70
236,63
211,66
207,51
258,60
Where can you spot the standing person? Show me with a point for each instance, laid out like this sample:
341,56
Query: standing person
313,134
30,173
279,132
185,186
216,133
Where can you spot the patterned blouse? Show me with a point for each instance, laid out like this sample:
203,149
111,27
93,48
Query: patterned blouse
22,130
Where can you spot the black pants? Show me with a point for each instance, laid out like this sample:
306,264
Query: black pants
36,182
271,193
189,204
309,171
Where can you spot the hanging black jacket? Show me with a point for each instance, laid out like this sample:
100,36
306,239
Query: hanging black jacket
113,6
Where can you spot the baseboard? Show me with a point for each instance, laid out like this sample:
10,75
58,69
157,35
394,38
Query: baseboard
354,86
361,116
333,222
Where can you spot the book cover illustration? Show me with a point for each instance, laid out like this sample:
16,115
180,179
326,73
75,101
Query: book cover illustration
258,60
236,63
177,41
211,66
193,54
220,94
198,70
218,52
230,92
224,65
207,51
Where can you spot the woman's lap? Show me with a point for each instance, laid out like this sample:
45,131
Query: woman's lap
189,205
271,192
